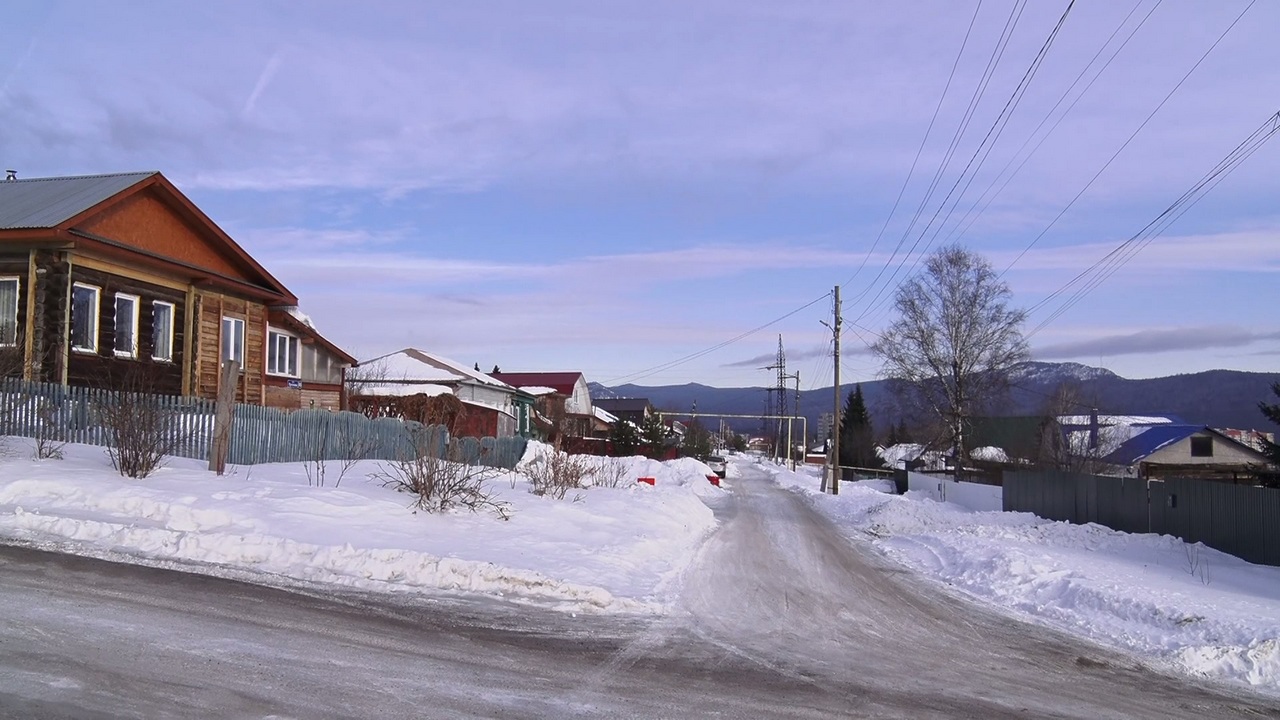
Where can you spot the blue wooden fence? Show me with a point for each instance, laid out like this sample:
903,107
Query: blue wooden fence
258,434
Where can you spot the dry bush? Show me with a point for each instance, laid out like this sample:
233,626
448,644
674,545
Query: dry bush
555,474
141,431
612,473
440,484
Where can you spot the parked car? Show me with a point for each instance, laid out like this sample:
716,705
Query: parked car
717,465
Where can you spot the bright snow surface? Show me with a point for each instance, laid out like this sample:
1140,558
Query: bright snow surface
624,549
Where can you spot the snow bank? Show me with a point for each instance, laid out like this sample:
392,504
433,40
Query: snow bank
1186,607
602,549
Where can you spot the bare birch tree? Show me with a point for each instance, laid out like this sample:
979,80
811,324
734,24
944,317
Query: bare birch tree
954,343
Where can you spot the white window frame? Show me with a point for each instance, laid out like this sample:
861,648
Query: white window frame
236,350
93,318
17,288
134,316
168,339
290,341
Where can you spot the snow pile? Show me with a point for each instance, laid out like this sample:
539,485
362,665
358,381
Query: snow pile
1188,607
600,549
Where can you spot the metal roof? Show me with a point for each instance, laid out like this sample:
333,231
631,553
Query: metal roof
1148,441
49,202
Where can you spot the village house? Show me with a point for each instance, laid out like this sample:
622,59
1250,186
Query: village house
491,407
121,281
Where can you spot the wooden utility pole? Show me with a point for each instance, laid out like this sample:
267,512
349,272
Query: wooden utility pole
835,408
220,443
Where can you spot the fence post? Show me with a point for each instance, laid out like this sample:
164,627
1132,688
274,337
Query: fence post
221,441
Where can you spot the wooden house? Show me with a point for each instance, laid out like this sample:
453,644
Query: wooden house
120,280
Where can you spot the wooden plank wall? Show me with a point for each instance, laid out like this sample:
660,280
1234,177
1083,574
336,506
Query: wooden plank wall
212,308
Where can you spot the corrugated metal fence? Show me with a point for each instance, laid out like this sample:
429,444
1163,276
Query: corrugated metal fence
258,434
1237,519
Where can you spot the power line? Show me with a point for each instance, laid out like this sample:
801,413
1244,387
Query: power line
970,217
1109,264
1134,134
997,54
923,142
641,374
984,150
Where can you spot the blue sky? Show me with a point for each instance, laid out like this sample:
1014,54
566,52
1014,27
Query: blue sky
610,187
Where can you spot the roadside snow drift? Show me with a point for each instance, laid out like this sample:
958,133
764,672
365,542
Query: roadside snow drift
599,549
1186,607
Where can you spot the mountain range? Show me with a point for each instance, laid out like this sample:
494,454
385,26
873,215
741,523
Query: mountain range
1218,398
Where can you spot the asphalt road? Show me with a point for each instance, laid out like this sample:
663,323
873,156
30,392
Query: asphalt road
780,617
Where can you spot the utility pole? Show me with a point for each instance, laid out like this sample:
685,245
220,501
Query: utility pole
837,320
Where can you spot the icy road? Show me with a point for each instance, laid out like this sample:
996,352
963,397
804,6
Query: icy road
780,617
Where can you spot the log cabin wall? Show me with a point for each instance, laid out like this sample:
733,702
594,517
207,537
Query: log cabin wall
16,267
103,368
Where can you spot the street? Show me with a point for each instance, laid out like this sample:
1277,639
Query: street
780,617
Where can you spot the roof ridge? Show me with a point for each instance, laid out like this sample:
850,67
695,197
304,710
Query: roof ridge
139,173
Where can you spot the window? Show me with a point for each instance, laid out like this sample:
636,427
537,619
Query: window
84,318
126,325
161,331
282,354
1201,446
8,311
233,340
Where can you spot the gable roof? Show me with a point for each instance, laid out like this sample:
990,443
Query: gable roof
49,202
413,365
1156,437
58,207
562,382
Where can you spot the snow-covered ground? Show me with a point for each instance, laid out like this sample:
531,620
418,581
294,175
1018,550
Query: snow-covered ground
599,549
623,549
1185,607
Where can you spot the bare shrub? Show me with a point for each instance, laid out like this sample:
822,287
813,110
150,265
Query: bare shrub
440,484
556,473
345,448
48,438
612,473
141,431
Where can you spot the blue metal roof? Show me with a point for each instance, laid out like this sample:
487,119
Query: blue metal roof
48,202
1148,441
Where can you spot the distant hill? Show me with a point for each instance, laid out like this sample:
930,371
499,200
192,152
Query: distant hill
1219,398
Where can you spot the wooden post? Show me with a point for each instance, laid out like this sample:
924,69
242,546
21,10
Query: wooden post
220,443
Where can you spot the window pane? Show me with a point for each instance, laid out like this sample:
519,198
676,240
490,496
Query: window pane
233,340
126,319
8,311
293,355
84,320
162,331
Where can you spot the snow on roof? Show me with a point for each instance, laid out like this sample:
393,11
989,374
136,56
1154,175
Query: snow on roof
538,390
301,317
989,454
414,364
406,389
604,415
1117,420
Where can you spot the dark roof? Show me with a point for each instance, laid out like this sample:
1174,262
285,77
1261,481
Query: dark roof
49,202
625,405
561,382
1160,436
1019,436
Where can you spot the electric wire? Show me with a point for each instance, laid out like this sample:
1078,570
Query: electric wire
1126,143
641,374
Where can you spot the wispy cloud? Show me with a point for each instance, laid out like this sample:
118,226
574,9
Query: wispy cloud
1155,341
